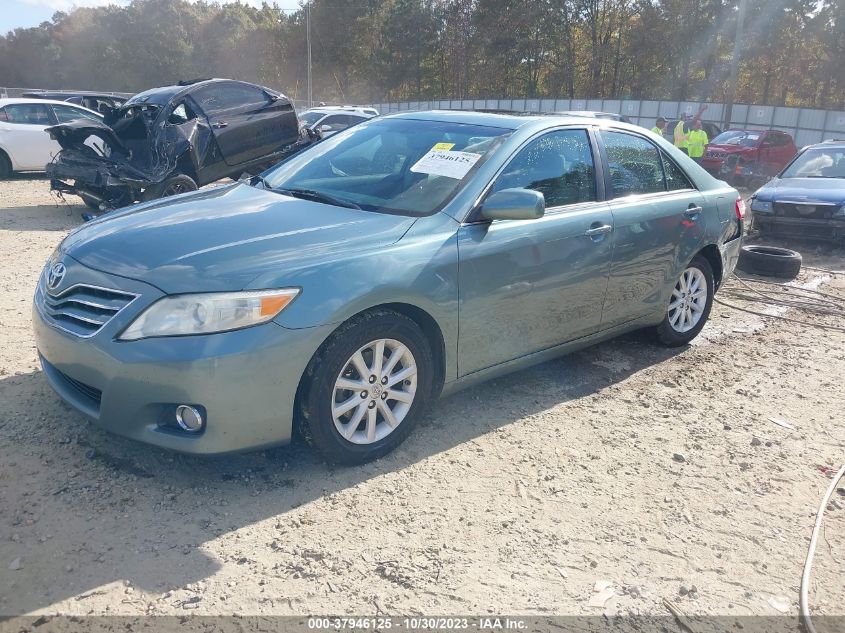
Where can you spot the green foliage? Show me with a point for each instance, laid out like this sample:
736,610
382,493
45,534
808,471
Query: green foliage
373,50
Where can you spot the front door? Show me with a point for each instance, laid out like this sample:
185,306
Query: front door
657,226
529,285
247,124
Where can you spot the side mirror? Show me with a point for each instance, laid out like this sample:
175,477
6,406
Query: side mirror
514,204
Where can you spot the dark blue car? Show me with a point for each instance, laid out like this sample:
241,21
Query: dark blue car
807,199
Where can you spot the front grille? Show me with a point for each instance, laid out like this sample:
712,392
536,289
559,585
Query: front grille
796,210
82,309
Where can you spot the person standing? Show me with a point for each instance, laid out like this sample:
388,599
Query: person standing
682,129
659,126
696,141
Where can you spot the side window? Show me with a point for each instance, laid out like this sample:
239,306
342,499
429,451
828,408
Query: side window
28,113
635,166
558,164
69,113
676,179
225,95
336,121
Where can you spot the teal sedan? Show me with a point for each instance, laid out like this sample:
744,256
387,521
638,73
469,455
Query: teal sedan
346,288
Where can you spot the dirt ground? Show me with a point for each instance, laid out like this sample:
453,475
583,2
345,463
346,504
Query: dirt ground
658,471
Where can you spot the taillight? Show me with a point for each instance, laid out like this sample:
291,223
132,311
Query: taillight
739,206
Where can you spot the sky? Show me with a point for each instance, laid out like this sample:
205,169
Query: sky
26,13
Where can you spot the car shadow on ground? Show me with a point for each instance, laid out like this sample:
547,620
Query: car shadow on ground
145,514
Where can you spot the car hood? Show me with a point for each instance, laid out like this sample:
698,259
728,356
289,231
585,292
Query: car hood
729,149
72,135
223,238
819,190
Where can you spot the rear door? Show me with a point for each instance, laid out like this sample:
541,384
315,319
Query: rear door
22,134
658,225
246,122
528,285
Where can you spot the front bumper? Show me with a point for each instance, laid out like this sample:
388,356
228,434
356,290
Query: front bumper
809,228
245,380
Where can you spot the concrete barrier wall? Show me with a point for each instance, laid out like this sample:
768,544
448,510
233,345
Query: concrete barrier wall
806,125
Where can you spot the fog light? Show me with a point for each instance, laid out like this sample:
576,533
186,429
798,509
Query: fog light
188,418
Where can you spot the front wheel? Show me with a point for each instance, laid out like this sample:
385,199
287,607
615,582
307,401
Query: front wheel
170,186
689,306
367,387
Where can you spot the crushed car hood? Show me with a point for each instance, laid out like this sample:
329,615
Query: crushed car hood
729,149
821,190
222,238
72,135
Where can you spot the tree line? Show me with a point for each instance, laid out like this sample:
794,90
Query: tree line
792,51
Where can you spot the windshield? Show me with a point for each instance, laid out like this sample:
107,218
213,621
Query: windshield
310,118
736,137
400,166
822,162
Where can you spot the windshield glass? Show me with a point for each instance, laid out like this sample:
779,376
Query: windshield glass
737,137
391,165
310,118
822,162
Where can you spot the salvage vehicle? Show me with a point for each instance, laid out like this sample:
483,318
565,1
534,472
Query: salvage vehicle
748,157
101,102
174,139
23,144
330,120
344,289
807,199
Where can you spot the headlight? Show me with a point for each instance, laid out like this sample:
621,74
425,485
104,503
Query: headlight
761,206
206,313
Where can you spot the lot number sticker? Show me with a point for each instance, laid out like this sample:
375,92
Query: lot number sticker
443,162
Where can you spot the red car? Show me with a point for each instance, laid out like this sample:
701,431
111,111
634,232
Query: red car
748,157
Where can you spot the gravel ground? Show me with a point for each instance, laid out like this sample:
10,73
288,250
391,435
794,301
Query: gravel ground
656,471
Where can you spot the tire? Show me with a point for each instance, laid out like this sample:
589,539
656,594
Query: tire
683,322
367,437
769,261
5,166
170,186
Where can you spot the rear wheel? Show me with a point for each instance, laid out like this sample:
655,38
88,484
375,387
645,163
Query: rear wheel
5,166
367,387
689,306
171,186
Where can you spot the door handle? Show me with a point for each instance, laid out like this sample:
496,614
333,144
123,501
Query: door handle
693,211
219,124
598,230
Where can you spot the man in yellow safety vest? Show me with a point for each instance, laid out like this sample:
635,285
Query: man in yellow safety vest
659,126
682,129
696,141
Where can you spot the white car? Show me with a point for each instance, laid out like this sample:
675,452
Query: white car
332,119
24,145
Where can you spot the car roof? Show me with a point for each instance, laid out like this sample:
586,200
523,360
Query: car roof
835,143
35,101
500,120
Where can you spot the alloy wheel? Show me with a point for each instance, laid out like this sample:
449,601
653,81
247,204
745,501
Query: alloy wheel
374,391
689,298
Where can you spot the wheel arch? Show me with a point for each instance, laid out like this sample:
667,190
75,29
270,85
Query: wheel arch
714,257
7,156
427,323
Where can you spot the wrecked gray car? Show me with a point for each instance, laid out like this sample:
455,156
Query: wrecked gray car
174,139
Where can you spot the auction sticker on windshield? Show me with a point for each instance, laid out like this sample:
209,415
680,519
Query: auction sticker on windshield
444,162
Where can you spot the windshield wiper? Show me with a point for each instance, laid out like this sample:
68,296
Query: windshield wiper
317,196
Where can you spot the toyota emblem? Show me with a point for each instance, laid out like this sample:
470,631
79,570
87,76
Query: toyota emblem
55,276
